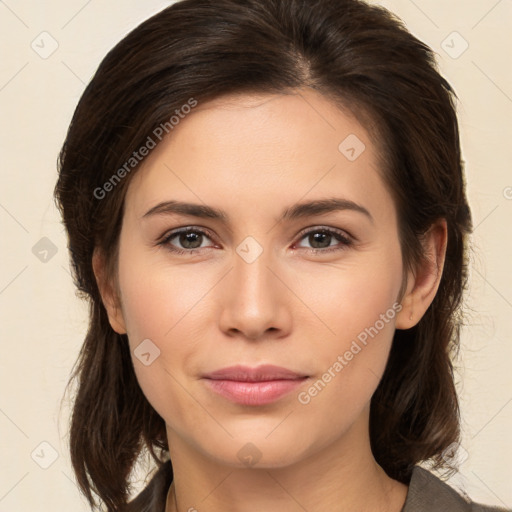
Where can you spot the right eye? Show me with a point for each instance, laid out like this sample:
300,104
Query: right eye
190,239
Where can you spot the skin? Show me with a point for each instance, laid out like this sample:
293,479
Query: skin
253,156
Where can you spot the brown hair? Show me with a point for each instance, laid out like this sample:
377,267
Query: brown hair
361,57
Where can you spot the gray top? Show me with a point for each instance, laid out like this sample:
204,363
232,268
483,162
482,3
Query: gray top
427,493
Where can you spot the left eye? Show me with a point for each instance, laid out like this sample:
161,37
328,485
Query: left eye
321,238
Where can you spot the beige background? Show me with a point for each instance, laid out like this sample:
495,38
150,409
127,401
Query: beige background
43,323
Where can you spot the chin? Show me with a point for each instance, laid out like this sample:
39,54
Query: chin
255,451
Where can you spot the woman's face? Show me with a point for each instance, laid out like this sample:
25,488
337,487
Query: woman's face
269,280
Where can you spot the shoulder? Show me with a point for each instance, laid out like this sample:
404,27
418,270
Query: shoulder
152,498
428,493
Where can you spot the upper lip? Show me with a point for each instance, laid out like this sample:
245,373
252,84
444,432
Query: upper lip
260,373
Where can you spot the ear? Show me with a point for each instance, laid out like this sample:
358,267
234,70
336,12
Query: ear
108,293
422,285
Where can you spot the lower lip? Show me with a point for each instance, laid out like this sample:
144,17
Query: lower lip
254,393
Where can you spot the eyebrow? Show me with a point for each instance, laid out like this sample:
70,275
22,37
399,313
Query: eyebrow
297,211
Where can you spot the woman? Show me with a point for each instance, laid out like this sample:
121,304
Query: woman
265,207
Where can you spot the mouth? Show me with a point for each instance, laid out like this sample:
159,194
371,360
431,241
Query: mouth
254,386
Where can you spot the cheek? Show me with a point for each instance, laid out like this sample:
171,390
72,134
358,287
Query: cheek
351,297
156,300
357,308
158,296
165,306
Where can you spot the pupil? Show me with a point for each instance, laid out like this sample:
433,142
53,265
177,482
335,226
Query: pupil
317,237
187,240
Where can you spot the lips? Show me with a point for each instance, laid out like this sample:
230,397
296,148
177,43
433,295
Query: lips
259,374
254,386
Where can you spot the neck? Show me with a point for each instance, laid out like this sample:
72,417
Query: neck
342,477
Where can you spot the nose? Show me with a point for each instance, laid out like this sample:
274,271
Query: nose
255,300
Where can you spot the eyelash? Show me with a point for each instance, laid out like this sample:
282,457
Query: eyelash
346,240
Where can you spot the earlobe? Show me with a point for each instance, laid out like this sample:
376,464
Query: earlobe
405,318
423,286
107,292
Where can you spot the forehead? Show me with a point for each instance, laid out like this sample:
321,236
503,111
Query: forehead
282,144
